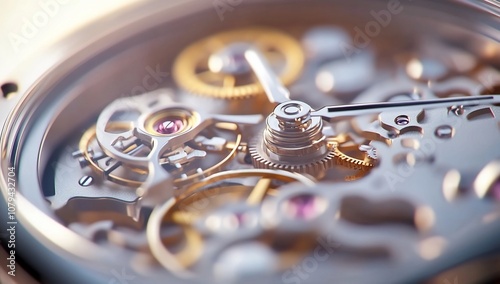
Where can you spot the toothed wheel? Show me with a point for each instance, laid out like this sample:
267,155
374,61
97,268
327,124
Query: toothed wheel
349,162
216,66
295,141
315,168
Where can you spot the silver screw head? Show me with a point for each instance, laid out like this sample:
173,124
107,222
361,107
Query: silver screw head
86,181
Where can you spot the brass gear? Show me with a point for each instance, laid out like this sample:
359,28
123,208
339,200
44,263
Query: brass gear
201,200
348,161
88,144
191,68
316,168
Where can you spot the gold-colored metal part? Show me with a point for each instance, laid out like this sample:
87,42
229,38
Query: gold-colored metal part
170,211
263,173
234,150
335,157
259,191
164,256
192,249
349,162
343,144
88,137
192,73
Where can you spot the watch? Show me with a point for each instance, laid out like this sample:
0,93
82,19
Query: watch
252,141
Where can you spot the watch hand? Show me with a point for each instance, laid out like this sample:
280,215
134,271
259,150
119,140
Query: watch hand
274,89
333,113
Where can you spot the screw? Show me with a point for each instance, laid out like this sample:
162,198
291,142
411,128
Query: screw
86,181
402,120
170,126
391,134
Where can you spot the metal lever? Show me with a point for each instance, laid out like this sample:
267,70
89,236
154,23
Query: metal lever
275,91
335,113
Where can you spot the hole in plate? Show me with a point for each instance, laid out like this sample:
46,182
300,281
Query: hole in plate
483,113
8,89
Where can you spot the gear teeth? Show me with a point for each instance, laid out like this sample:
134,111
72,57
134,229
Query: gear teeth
186,64
315,168
349,162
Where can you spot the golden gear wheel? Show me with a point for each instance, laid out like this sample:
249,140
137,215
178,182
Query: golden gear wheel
349,162
315,168
191,68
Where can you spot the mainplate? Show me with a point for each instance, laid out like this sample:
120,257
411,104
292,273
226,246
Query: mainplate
288,146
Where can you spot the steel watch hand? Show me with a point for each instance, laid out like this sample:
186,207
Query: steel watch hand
274,89
340,112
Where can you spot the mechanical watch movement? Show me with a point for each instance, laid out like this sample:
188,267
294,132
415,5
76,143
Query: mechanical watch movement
252,141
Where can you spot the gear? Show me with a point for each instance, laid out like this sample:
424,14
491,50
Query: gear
295,141
202,212
348,161
216,67
315,168
120,173
184,162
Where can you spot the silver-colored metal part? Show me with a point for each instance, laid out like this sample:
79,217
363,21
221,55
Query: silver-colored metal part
444,131
183,155
337,76
434,142
323,42
86,181
158,185
90,232
216,217
259,259
370,151
212,144
335,113
405,214
230,60
276,92
426,69
293,140
402,120
291,133
457,109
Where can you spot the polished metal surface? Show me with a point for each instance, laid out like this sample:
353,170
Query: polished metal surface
253,141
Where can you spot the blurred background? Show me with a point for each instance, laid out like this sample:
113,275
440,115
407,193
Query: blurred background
28,27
